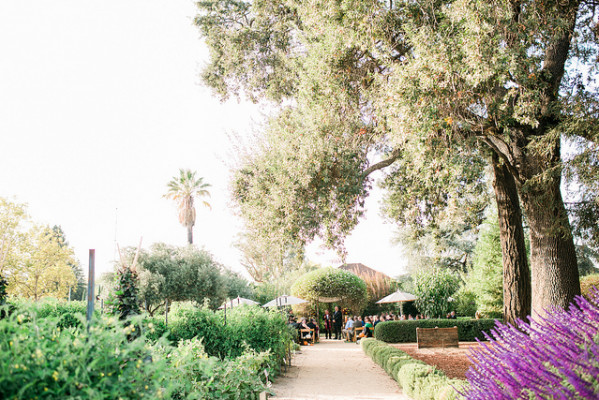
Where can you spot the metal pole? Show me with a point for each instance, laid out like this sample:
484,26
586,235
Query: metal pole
90,284
166,313
69,294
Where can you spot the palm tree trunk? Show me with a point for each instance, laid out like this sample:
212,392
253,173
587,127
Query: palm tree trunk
190,234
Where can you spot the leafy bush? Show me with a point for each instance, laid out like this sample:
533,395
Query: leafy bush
38,359
68,314
125,302
405,331
557,356
485,276
332,283
433,289
465,303
417,379
251,328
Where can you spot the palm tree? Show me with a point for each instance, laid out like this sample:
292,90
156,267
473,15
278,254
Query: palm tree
183,189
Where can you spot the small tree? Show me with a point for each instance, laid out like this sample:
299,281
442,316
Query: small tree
126,289
485,277
182,274
332,283
434,289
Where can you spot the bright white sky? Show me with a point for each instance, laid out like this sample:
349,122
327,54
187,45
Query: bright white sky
101,104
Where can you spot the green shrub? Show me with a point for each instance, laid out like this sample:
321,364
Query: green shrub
332,282
252,328
39,359
405,331
418,379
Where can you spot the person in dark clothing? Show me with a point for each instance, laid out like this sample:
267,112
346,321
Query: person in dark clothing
328,324
337,323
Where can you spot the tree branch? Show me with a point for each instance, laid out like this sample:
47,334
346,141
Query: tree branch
395,154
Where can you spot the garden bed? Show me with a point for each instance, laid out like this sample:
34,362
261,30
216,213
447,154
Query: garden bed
453,361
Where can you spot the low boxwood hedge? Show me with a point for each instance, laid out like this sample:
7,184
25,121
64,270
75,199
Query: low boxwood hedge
405,331
417,379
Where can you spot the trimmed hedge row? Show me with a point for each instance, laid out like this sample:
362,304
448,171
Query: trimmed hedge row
405,331
417,379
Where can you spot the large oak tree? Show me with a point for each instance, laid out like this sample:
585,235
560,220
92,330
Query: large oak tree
422,81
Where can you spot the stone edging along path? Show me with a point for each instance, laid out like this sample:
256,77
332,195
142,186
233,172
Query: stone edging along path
334,370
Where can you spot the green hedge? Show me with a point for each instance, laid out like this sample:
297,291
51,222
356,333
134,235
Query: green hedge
405,331
417,379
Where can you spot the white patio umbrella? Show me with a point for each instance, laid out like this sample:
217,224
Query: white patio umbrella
397,297
238,301
284,300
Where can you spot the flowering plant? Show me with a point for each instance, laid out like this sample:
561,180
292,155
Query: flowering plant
345,311
556,357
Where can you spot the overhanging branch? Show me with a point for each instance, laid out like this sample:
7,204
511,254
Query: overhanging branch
393,156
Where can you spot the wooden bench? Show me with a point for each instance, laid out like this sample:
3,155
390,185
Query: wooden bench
312,337
437,337
359,330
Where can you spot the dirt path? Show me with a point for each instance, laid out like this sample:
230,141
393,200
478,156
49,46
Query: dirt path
334,370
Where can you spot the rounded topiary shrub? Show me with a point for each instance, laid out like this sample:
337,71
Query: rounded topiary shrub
332,283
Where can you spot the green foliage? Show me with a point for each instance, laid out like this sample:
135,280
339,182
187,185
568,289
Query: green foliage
185,274
40,357
247,328
469,330
197,374
77,291
183,189
435,87
126,293
3,285
279,285
434,290
465,303
68,315
485,277
417,379
332,283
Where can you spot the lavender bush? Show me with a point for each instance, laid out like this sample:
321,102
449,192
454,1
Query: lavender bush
554,357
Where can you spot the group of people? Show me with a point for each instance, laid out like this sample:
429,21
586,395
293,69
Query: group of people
305,328
336,325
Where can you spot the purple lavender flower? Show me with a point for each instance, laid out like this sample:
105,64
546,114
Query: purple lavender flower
552,357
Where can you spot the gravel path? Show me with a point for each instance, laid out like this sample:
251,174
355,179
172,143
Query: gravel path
334,370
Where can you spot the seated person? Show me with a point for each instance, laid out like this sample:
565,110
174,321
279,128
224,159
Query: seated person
349,329
366,332
304,331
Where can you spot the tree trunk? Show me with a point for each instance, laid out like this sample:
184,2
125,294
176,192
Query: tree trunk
190,234
516,272
554,267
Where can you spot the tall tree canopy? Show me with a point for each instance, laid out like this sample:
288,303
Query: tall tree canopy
183,189
432,83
